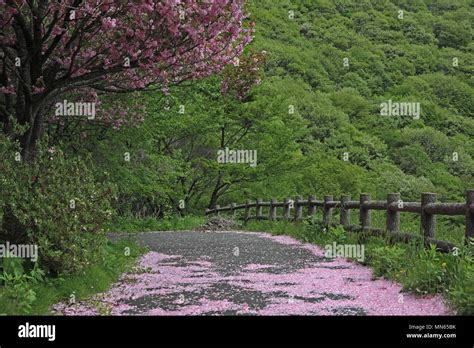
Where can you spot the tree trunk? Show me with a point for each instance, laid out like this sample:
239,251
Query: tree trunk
215,193
30,138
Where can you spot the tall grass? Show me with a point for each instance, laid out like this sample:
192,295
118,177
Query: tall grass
174,223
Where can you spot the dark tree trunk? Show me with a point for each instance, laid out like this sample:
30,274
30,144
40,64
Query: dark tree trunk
215,193
30,138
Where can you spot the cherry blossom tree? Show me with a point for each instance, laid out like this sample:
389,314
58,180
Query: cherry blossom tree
85,49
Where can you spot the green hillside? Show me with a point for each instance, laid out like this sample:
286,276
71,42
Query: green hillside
408,59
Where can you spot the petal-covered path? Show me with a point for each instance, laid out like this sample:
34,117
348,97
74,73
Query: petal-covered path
248,273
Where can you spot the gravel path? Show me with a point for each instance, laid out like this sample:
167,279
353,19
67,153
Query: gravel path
248,273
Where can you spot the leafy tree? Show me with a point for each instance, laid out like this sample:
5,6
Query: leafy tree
50,49
453,34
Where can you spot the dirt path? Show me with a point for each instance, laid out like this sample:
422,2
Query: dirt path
248,273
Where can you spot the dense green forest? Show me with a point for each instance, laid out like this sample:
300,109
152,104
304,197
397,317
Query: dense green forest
315,118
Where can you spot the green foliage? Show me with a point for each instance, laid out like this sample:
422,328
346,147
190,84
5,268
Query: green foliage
388,58
17,284
316,232
335,110
385,260
435,272
33,294
453,34
56,204
462,294
174,223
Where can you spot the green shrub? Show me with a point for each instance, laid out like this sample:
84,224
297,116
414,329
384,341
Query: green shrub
55,203
386,260
18,284
461,295
429,274
315,231
338,234
32,294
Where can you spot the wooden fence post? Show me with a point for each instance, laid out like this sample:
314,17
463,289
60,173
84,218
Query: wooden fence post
427,210
247,211
428,221
298,209
327,211
272,214
258,209
311,207
393,217
364,213
286,209
469,233
345,218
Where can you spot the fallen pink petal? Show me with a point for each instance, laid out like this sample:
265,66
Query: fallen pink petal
271,275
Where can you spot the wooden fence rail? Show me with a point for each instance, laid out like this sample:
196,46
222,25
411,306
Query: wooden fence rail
427,208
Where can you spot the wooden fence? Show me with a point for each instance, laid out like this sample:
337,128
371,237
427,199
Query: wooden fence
427,208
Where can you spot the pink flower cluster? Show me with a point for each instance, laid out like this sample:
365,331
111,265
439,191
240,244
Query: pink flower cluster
120,46
156,38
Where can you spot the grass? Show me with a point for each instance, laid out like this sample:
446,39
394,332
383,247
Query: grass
419,270
448,228
118,257
174,223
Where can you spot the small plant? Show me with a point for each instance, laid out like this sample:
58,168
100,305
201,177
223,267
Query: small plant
17,283
429,274
315,231
338,234
386,260
102,308
461,295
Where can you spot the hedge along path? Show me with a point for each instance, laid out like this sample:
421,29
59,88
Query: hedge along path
248,273
427,208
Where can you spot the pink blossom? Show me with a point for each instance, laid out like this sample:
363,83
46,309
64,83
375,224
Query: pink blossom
326,287
126,45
